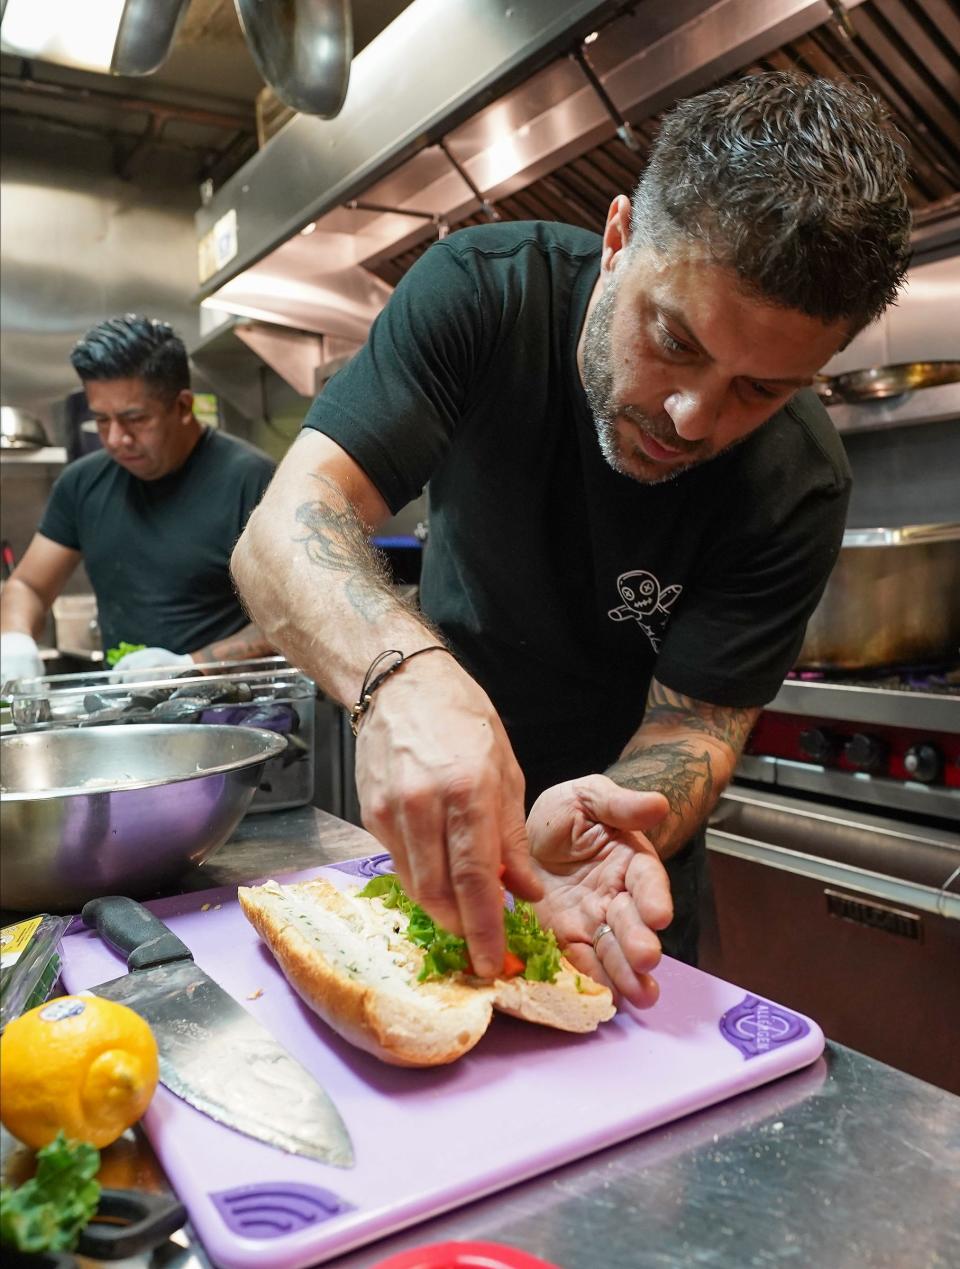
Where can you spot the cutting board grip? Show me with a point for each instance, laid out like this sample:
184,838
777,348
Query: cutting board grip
132,929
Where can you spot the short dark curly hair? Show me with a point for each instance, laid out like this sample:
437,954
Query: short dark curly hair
795,183
134,347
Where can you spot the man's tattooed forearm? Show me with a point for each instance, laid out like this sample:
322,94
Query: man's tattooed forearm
666,708
684,777
334,539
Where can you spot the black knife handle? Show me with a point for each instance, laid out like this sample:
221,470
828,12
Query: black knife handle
130,928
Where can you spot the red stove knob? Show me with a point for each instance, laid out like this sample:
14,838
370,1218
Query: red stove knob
865,752
923,762
819,744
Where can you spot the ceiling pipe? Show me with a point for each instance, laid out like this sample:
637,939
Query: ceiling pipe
161,110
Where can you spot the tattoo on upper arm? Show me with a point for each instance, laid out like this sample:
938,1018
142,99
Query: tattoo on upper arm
727,724
334,539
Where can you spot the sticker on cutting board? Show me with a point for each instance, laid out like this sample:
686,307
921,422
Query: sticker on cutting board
756,1026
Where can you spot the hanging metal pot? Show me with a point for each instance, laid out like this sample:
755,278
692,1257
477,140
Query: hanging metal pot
146,35
303,50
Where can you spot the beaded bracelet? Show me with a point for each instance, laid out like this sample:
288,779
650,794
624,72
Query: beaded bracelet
372,679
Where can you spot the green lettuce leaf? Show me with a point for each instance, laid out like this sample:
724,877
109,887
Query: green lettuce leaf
445,953
113,655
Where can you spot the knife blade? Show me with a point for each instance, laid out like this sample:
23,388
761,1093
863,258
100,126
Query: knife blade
212,1053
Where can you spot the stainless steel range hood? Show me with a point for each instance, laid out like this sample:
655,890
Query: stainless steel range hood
433,73
462,105
432,68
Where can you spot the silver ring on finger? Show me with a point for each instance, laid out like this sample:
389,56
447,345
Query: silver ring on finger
602,929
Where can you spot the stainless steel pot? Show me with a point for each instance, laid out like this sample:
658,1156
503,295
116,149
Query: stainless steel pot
119,809
892,599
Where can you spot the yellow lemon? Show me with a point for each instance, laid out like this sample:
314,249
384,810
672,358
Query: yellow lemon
78,1063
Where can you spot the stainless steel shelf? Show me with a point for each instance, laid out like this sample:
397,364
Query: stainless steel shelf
47,456
885,706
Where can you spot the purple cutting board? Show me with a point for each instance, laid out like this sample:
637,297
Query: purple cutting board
526,1099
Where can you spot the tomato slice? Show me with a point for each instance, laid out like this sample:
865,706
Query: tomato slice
512,966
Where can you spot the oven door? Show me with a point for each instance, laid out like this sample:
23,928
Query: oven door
853,918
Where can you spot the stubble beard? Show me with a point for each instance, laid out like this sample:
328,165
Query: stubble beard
599,389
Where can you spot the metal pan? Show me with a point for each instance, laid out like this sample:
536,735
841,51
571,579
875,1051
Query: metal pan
878,382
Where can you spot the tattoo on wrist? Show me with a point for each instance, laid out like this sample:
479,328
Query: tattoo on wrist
684,777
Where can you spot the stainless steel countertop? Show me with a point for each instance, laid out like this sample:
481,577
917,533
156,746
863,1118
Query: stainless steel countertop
846,1164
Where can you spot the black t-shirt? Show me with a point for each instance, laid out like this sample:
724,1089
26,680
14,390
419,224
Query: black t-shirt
561,584
157,552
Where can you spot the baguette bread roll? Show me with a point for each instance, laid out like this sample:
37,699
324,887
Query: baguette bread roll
572,1002
349,960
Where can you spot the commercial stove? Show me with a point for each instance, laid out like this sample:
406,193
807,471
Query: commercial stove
834,863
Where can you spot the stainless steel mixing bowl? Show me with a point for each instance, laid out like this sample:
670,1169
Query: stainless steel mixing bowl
119,809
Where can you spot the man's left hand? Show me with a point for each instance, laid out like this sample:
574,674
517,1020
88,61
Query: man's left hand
597,868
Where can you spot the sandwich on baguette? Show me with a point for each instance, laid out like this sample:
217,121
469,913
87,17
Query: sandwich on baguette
377,969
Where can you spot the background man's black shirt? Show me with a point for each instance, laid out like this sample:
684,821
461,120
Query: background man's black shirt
157,552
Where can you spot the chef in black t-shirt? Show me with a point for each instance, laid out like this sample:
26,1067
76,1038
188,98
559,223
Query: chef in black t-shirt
634,506
154,514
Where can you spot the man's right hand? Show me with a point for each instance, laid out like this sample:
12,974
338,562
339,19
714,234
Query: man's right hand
439,785
441,789
19,657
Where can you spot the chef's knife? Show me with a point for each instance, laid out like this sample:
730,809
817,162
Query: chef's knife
213,1054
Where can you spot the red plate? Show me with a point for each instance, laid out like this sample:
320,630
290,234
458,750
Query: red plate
464,1256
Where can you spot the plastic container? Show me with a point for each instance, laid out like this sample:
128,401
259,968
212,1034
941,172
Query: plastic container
263,692
29,963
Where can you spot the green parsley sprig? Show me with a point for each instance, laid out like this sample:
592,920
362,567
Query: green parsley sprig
48,1212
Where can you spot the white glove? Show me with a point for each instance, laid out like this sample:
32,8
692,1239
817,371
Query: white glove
151,658
19,657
